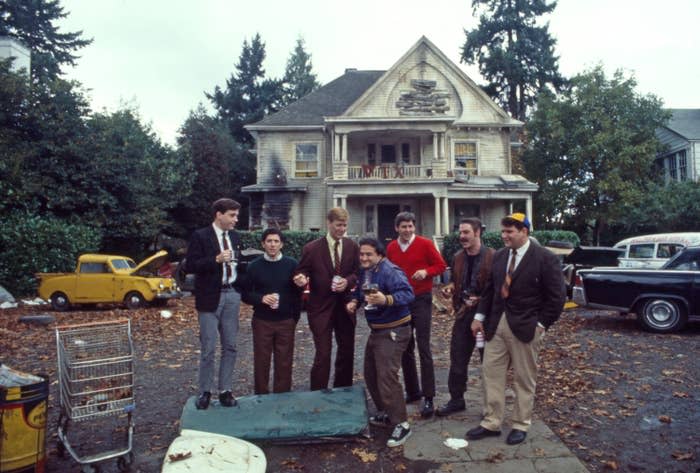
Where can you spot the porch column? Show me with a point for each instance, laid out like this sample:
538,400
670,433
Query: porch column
344,202
443,152
445,216
336,147
435,145
437,217
528,211
344,151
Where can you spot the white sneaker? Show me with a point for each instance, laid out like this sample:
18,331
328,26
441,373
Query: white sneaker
399,435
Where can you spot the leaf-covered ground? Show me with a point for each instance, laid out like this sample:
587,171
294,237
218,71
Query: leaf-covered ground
620,398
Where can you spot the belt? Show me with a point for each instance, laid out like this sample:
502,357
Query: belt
228,286
403,322
389,328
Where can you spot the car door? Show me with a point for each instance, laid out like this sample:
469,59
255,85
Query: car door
95,283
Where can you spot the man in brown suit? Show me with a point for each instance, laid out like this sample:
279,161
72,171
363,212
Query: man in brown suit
330,265
523,298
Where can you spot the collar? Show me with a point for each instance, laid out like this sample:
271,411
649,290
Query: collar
218,230
404,245
331,241
521,251
276,258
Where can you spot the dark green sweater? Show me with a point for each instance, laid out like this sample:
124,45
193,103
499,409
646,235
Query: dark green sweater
267,277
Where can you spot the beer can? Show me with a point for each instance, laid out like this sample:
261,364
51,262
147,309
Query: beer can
480,339
334,283
276,304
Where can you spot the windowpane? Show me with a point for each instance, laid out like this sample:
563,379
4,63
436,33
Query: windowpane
645,250
466,157
306,160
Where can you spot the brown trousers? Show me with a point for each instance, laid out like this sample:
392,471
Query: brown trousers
273,337
382,363
323,326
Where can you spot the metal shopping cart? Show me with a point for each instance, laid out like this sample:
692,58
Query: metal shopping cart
96,382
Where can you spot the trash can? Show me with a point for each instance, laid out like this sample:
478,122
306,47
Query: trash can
23,412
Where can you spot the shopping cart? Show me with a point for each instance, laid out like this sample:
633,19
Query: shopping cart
96,381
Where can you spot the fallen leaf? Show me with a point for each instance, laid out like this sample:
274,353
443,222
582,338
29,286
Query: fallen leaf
364,455
611,465
495,456
680,394
176,457
678,455
665,419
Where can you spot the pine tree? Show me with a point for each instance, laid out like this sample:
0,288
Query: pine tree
33,22
515,54
299,79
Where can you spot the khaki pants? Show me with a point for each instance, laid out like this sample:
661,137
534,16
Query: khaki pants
503,351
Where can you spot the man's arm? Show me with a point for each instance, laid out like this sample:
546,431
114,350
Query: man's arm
399,291
436,263
553,290
197,259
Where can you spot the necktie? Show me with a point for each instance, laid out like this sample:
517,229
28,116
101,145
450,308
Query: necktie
505,288
227,266
336,258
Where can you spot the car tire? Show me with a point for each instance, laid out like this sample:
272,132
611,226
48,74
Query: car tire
662,315
134,300
59,301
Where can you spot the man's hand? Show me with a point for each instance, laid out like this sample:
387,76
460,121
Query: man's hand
341,285
269,299
351,307
378,298
420,275
477,327
224,257
300,280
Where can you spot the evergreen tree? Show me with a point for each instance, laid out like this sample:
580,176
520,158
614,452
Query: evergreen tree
248,95
515,54
33,22
299,78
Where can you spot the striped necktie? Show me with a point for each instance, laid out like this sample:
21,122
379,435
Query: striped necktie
505,288
227,266
336,258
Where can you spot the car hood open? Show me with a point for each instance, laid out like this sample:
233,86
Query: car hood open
152,263
594,256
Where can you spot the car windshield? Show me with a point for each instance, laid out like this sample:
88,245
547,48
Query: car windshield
123,264
688,260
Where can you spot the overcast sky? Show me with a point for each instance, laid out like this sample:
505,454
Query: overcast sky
162,55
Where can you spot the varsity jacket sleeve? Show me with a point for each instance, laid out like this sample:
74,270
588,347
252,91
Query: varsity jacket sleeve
399,291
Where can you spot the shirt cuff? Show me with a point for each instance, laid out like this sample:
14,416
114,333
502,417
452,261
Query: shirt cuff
539,324
480,317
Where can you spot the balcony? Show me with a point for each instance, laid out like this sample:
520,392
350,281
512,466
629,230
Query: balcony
389,171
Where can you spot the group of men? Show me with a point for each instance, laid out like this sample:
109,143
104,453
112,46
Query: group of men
511,296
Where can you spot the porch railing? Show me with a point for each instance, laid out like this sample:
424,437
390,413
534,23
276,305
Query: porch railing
389,171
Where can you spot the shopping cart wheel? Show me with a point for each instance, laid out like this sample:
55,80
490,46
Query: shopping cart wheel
124,463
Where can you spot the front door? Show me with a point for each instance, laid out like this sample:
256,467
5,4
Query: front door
385,222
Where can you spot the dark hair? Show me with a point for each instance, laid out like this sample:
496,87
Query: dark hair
404,217
224,205
272,231
511,222
374,243
473,222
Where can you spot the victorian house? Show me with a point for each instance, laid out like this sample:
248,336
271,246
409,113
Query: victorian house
421,136
680,160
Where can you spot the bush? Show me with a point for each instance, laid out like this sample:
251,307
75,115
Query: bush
294,241
38,244
493,240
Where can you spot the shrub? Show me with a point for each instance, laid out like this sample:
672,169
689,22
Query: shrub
493,240
294,241
40,244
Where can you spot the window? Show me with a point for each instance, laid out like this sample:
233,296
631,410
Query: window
666,250
672,170
405,153
306,160
123,264
465,157
388,154
94,268
682,166
644,250
372,154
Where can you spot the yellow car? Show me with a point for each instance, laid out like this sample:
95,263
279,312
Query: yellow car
109,278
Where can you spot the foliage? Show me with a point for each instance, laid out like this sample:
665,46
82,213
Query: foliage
221,168
30,243
34,23
294,241
451,244
591,152
248,95
299,79
514,53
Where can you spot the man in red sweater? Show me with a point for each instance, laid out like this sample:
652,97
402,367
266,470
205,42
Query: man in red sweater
420,260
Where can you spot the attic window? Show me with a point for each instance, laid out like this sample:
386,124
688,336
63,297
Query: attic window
466,158
306,160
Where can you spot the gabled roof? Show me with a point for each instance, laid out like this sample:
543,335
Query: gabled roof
330,100
685,122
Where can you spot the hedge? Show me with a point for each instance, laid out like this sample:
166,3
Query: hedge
294,241
39,244
493,240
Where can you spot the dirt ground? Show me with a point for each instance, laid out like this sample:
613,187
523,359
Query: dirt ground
620,398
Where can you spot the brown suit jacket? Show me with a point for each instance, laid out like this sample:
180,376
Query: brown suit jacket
459,266
537,293
317,264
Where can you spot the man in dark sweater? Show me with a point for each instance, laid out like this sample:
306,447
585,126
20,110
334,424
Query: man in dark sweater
275,300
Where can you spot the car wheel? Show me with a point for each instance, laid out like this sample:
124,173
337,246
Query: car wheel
134,300
662,315
59,301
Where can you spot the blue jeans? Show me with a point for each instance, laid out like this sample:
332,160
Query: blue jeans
223,323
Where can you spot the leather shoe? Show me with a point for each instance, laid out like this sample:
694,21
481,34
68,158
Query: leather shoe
203,400
479,432
428,408
515,437
414,397
452,406
227,400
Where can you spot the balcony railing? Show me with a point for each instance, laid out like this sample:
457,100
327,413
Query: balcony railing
389,171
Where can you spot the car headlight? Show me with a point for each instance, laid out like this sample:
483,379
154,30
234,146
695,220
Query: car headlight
161,286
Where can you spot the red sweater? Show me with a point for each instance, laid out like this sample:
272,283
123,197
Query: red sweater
421,254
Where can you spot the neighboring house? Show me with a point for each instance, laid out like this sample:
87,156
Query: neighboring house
681,139
421,136
14,48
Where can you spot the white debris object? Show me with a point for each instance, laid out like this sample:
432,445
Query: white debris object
166,314
456,444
